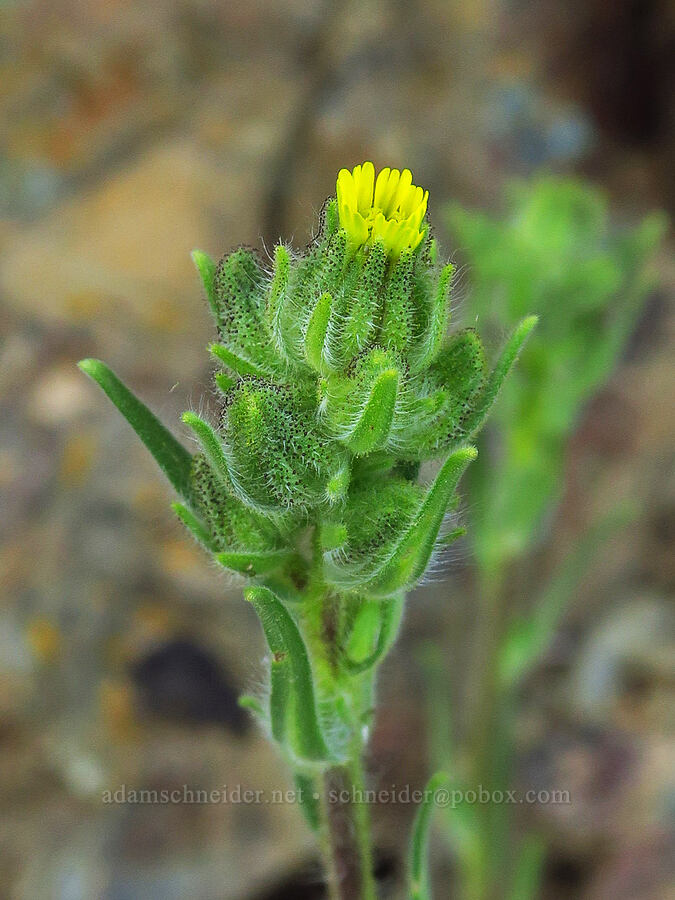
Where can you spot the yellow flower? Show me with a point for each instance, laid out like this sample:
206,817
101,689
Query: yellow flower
390,209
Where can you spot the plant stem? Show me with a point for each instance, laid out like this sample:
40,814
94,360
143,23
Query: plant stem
347,823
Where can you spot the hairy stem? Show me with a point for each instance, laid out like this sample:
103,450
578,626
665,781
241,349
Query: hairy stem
348,846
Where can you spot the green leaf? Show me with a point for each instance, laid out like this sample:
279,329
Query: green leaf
172,458
277,295
437,326
419,845
397,321
235,361
207,270
195,525
372,428
496,378
210,444
307,793
317,327
361,315
289,652
413,550
365,631
280,694
253,562
373,633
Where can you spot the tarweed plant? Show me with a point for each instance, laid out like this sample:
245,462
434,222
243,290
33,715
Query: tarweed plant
336,378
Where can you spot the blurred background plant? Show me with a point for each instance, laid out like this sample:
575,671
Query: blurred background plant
129,134
554,250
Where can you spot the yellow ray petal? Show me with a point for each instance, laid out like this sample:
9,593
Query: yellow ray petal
364,188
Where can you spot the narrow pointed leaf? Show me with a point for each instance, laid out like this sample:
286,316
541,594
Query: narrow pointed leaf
277,295
285,642
315,335
419,844
308,792
235,361
207,270
361,316
412,552
210,444
373,426
195,525
496,378
397,323
170,455
253,562
438,322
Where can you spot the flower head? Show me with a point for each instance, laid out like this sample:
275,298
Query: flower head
390,209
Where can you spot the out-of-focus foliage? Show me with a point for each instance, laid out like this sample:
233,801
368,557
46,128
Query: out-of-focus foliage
553,253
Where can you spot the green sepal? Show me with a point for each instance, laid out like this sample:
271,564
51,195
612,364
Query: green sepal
233,526
330,218
418,860
288,650
253,562
207,270
196,526
411,554
170,455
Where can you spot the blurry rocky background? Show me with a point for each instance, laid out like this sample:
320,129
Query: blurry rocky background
131,133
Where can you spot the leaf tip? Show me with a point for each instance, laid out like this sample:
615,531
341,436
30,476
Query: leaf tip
90,367
527,325
466,454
